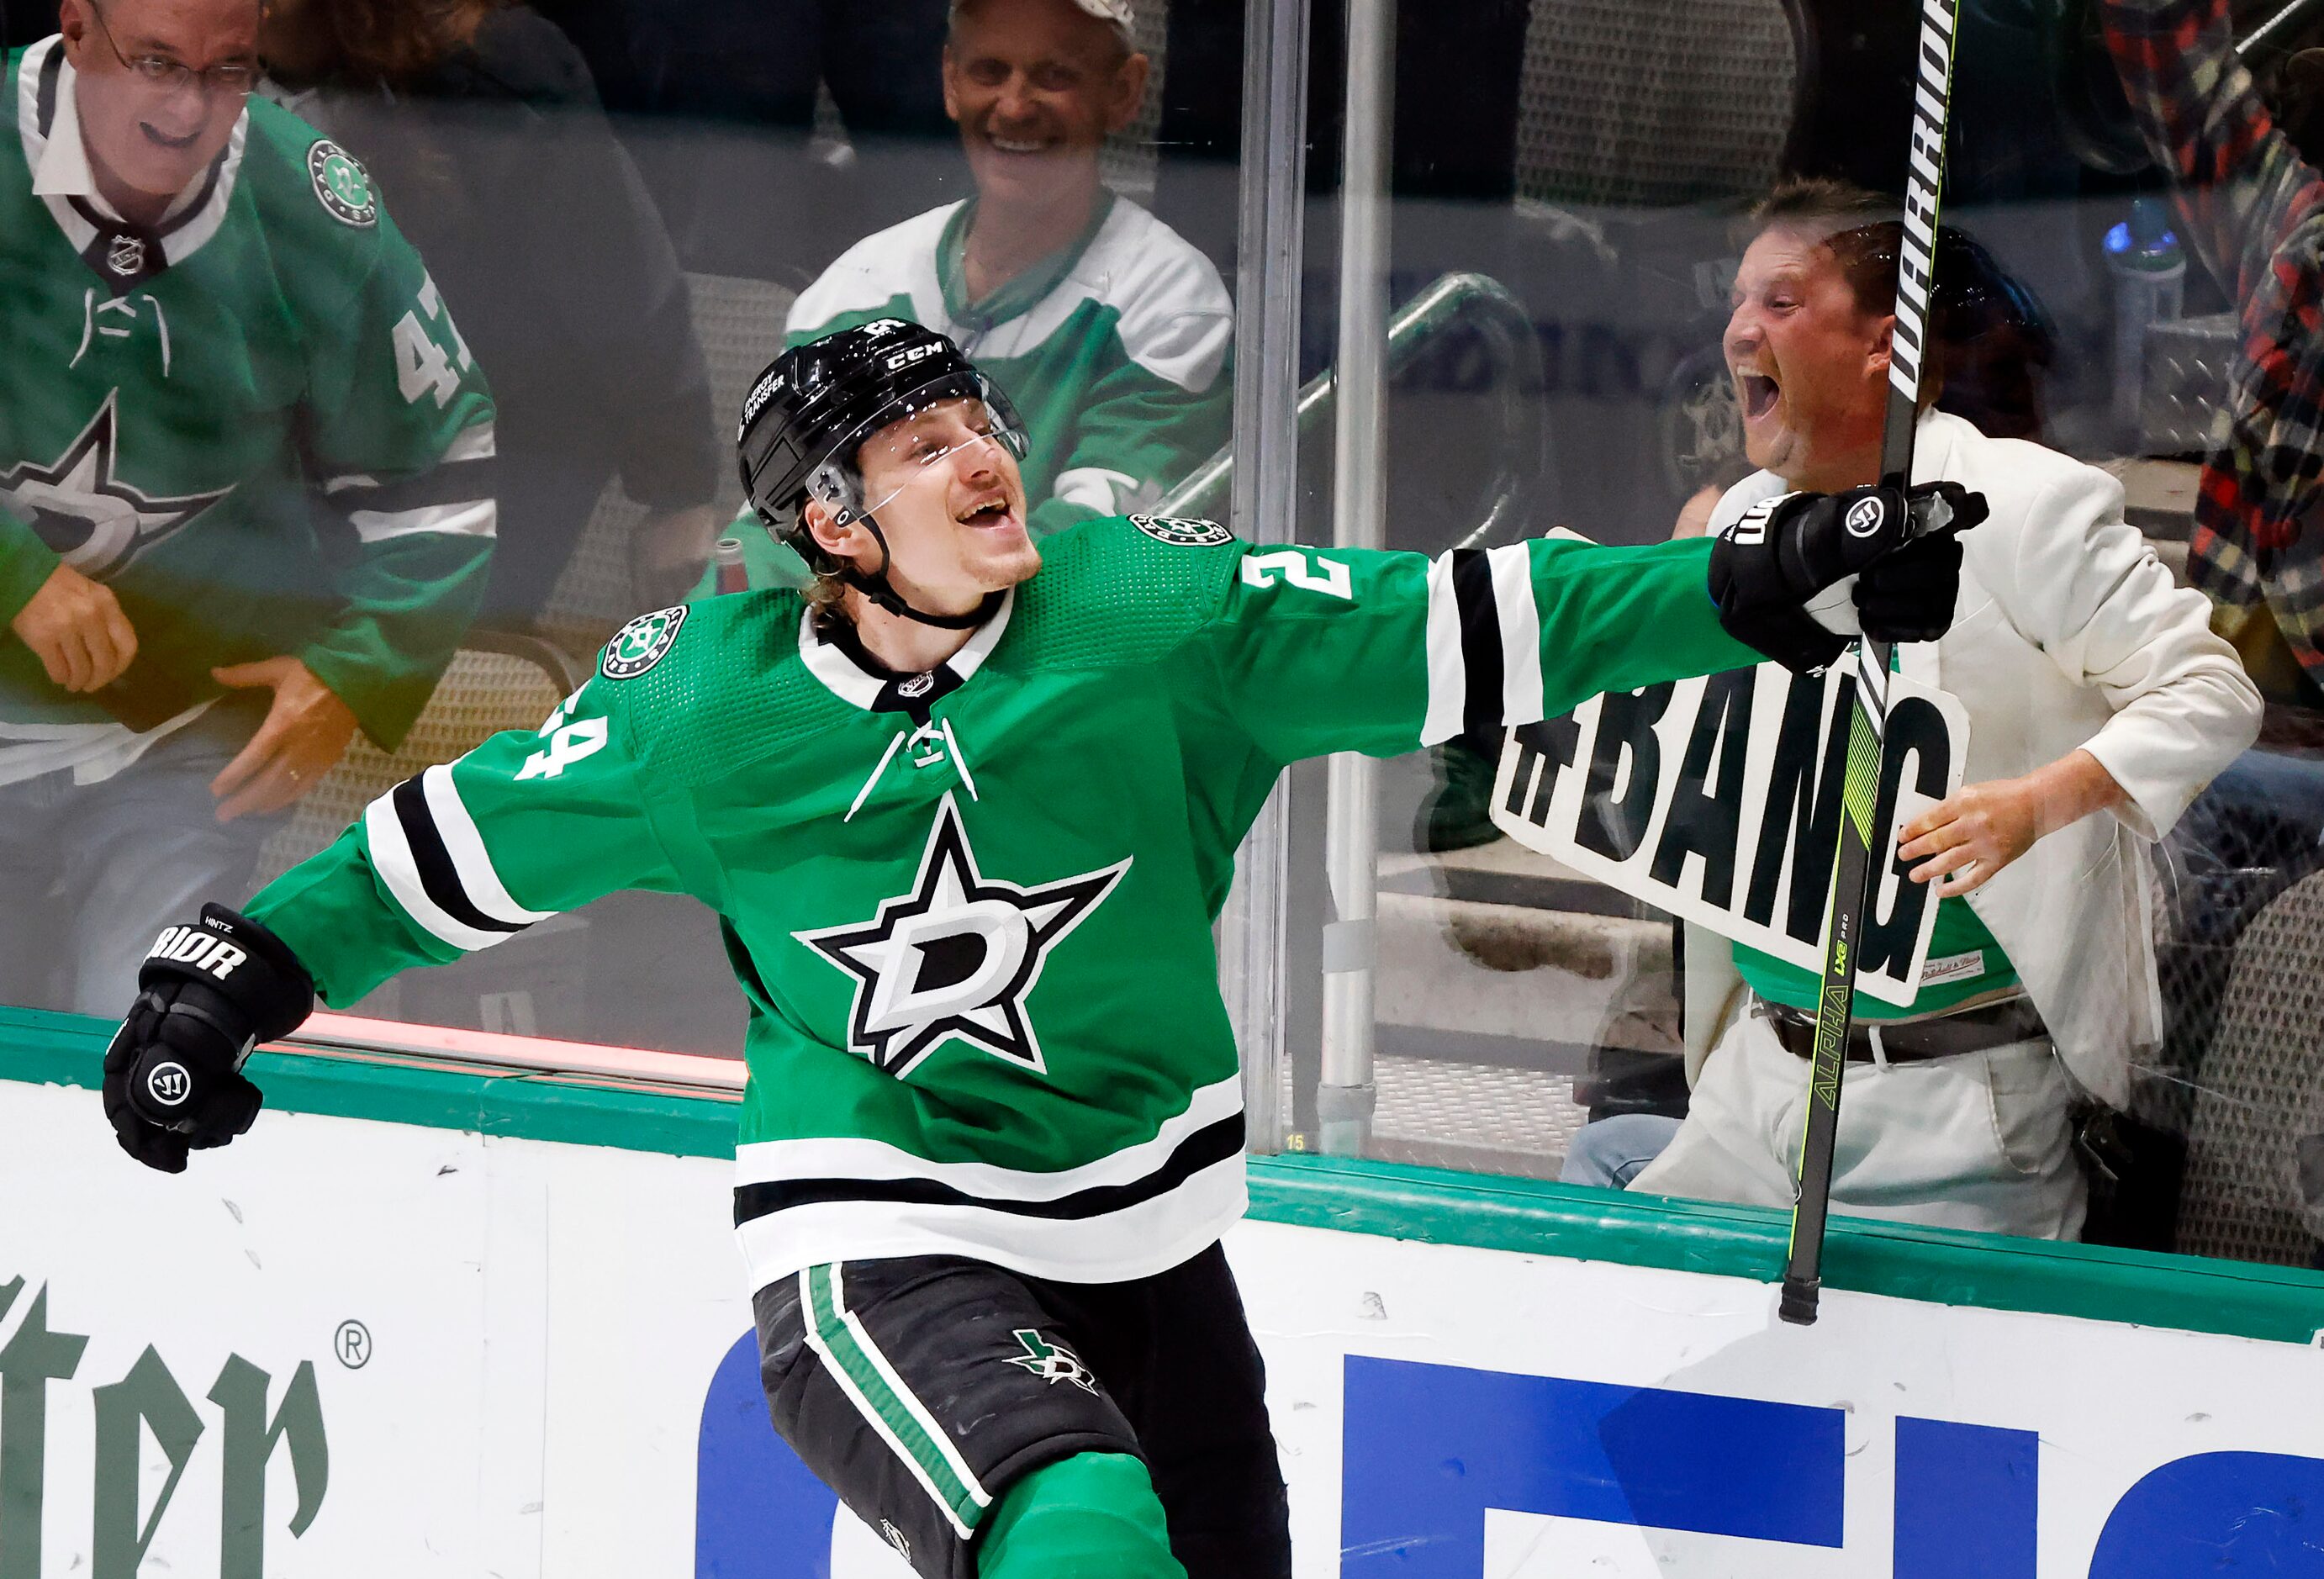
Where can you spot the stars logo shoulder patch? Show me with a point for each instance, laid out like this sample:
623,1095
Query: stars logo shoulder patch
78,506
1182,533
957,956
641,644
342,185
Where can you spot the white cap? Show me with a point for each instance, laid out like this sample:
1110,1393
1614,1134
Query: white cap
1116,11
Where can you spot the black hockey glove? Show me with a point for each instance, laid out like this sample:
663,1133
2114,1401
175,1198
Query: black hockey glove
1768,567
1909,595
206,995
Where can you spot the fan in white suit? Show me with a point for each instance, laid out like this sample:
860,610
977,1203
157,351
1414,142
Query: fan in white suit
2099,705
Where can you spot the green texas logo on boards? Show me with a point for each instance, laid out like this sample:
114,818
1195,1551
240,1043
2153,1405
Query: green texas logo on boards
149,1400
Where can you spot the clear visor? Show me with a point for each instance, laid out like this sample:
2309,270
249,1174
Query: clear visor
924,430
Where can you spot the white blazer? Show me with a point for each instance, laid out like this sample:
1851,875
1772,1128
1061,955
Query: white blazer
2069,634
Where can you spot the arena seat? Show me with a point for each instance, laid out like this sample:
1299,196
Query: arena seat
1666,102
2260,1088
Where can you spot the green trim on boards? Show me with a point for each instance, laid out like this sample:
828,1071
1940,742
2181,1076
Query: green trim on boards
1436,1205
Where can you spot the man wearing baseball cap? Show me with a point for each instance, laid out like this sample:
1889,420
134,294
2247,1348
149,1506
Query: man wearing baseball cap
1116,11
1108,330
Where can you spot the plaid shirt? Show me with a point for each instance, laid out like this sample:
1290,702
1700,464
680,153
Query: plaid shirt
2255,214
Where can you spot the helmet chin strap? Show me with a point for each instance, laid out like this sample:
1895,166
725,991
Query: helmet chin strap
876,586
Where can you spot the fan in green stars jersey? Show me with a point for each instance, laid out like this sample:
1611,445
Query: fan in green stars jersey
968,808
245,490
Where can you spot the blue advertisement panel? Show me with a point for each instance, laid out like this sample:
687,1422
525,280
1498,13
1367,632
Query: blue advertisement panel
759,1513
1428,1449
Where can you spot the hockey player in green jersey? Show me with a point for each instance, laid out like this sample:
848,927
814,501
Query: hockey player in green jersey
967,812
245,502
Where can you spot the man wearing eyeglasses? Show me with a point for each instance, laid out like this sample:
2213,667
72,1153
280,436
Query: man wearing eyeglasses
244,507
158,108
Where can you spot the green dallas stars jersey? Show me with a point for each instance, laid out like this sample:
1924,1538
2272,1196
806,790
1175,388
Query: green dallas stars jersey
971,910
256,424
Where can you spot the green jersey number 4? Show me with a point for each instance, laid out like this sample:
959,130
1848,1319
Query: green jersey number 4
570,740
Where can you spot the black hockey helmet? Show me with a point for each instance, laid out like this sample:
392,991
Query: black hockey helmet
809,414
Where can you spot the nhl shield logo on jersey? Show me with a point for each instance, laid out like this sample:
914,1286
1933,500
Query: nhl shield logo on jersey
125,255
1050,1360
341,184
957,956
1182,532
639,645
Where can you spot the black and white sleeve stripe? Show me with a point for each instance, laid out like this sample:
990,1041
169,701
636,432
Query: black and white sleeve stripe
455,497
427,850
1484,643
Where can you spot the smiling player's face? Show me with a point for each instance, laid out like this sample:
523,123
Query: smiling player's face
951,503
149,141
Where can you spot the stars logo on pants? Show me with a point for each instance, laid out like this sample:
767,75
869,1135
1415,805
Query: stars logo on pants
956,956
1051,1361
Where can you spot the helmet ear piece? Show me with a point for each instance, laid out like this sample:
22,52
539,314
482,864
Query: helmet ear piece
828,489
834,485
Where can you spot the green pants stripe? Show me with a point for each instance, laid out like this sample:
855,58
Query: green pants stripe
865,1375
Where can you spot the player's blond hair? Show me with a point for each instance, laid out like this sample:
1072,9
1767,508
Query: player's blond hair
824,594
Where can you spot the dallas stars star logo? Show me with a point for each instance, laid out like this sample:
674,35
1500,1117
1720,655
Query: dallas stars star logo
79,509
1051,1361
956,956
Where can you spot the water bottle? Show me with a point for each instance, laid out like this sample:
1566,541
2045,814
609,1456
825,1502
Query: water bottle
2150,282
733,574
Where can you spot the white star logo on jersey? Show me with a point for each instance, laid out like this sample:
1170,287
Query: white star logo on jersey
97,523
956,956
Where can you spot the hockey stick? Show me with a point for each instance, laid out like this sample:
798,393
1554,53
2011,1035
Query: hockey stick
1853,871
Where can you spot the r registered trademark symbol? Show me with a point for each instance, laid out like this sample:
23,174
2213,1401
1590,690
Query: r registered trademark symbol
353,1344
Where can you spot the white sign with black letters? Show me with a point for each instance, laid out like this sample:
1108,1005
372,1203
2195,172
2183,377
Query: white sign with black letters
1719,800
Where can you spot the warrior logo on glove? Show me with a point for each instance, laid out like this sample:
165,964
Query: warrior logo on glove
1865,516
170,1084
